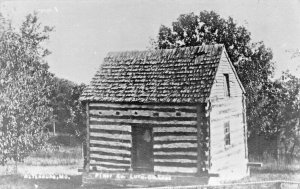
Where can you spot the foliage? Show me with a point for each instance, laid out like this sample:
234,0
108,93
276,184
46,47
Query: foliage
253,61
25,88
207,28
68,111
289,115
77,119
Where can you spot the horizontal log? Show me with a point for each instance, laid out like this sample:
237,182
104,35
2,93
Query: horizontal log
109,161
162,124
150,112
110,143
111,166
175,129
173,141
174,138
101,168
175,145
175,164
110,146
142,118
190,157
95,155
191,149
178,134
110,150
109,139
129,121
112,127
157,106
117,155
168,154
113,136
109,131
165,169
175,160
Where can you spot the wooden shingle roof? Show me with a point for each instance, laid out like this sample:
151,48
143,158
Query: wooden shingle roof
182,75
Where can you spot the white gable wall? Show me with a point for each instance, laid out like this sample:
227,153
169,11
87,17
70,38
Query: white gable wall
228,161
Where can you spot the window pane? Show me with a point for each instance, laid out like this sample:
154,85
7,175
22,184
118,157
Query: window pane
226,85
227,133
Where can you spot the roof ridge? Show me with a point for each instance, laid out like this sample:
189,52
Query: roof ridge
205,47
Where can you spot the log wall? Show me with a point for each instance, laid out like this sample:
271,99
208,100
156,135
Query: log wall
230,159
174,136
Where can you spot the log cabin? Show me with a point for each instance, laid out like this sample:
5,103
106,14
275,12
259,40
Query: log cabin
166,114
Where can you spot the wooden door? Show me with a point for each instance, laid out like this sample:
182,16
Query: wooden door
142,143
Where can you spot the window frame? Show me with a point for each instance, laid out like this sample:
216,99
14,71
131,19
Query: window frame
226,85
227,134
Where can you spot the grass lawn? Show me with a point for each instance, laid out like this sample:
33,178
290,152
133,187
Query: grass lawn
18,182
66,160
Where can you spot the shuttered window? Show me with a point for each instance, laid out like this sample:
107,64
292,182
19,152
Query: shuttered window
227,133
226,85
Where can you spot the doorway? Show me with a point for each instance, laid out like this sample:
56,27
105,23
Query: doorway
142,149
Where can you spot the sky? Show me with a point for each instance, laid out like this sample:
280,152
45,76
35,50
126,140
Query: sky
86,30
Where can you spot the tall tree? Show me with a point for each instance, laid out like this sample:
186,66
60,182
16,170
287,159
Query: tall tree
68,112
77,120
25,88
253,61
288,116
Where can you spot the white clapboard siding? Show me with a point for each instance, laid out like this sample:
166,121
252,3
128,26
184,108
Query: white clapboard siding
227,116
218,87
226,109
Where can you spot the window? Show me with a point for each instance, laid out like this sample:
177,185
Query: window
227,133
226,85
